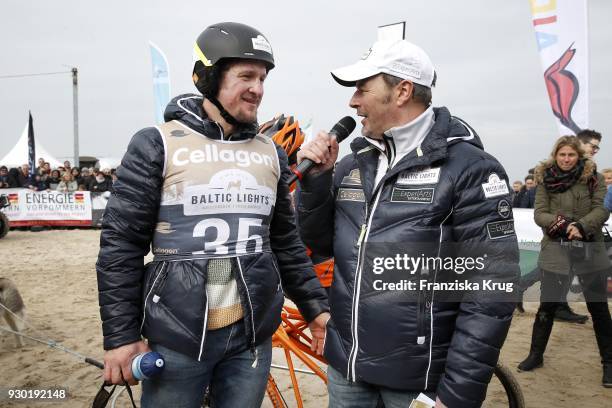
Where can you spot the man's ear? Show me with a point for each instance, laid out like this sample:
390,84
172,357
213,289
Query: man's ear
404,92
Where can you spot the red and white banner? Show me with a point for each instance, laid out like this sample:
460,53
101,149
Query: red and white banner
561,29
29,207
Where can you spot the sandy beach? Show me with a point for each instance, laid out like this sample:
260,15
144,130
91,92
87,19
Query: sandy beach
55,273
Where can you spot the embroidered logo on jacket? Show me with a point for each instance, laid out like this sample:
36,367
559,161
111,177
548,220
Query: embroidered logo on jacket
500,229
503,209
353,178
495,186
351,194
412,195
425,176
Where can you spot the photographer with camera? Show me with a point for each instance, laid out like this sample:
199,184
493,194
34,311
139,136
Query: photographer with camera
569,208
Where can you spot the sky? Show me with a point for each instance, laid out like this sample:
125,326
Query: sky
484,52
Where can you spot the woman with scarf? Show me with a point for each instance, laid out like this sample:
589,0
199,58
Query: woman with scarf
569,208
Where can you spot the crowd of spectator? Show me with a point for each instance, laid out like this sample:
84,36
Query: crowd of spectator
524,193
65,178
68,179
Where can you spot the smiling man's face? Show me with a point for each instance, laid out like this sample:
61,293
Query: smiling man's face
242,88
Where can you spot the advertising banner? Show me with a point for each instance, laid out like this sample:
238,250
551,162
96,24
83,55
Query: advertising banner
29,207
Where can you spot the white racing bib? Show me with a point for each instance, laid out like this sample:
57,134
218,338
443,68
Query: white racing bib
218,196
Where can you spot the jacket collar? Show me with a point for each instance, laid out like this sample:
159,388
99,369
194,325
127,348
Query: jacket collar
432,148
188,110
409,136
445,132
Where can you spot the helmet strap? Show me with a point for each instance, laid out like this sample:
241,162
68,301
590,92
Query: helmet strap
224,114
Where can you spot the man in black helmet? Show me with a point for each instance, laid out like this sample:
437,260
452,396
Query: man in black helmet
210,198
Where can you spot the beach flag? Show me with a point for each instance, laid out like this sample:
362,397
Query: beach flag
561,30
161,81
31,146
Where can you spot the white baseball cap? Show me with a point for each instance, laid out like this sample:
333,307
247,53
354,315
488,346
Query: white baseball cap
399,58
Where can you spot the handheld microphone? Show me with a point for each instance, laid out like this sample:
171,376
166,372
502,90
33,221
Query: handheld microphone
342,129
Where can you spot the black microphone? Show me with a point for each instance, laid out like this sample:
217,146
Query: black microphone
342,129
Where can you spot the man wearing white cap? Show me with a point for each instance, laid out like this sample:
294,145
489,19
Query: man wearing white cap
418,187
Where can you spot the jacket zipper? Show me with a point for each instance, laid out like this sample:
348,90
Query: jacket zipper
220,131
280,282
160,286
430,306
155,297
204,328
421,310
250,308
361,243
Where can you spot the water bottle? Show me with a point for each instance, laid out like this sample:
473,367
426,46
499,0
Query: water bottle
147,365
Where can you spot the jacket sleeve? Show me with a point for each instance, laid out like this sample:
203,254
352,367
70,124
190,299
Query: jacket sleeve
299,279
484,317
127,228
315,206
608,199
541,214
598,215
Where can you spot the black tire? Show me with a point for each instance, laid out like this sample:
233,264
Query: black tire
4,225
511,385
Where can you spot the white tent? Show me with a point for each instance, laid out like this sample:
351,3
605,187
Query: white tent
108,162
19,153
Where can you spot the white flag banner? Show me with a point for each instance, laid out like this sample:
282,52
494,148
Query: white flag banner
561,30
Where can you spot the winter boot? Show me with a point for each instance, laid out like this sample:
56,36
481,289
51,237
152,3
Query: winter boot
542,326
602,324
565,314
607,375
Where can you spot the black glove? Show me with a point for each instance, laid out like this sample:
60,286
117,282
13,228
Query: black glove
558,229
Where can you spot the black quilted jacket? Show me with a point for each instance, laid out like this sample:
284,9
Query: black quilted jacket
127,230
420,339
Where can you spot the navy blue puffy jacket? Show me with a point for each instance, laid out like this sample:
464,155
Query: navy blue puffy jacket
415,343
127,230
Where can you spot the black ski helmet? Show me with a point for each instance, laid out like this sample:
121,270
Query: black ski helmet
226,41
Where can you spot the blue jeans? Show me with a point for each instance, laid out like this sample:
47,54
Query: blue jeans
226,367
346,394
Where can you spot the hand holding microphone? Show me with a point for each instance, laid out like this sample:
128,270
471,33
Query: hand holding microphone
320,154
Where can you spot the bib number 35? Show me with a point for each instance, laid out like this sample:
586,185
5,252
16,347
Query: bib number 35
222,228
